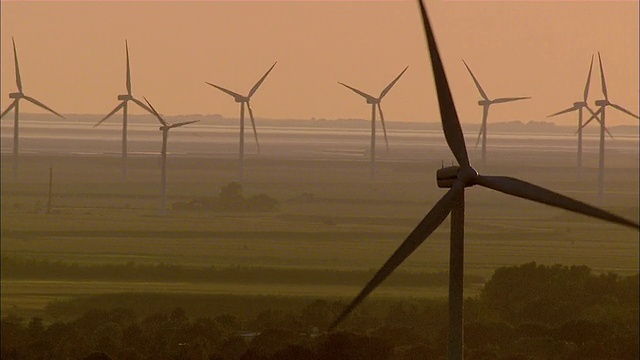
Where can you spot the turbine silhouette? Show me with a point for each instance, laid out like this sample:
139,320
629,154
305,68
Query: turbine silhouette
15,105
165,135
602,104
579,106
245,100
457,178
375,102
124,100
485,102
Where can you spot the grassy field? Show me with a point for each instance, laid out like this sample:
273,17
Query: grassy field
330,217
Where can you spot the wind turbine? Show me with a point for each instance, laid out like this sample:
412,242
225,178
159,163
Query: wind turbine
485,102
124,100
457,178
602,104
245,100
375,102
15,105
165,135
579,106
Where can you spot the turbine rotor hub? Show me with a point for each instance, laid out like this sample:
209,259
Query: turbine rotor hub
447,176
468,175
16,95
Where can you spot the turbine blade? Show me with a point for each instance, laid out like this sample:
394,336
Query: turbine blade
126,45
15,58
428,225
391,84
584,125
361,93
384,128
115,110
591,110
604,83
234,94
482,93
253,124
624,110
608,132
448,114
143,105
13,104
257,85
594,116
183,123
36,102
586,86
573,108
504,100
479,135
154,112
525,190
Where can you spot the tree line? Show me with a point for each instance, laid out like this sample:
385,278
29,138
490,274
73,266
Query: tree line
523,312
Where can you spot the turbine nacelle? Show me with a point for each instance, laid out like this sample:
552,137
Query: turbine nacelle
447,176
241,99
373,101
602,102
16,95
579,104
125,97
484,102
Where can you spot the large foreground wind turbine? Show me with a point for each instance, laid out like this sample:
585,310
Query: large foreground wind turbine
245,100
375,102
15,105
579,106
165,135
124,100
457,178
602,104
485,102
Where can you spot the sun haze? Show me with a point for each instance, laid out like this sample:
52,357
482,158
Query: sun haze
72,55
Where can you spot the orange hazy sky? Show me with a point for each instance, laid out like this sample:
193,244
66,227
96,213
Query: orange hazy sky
72,55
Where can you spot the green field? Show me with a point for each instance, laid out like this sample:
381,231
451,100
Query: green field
330,217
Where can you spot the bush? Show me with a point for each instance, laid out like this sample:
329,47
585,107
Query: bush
230,199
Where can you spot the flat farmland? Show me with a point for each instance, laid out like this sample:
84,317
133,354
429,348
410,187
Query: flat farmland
330,216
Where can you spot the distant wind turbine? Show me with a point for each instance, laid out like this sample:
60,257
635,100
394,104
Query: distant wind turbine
485,102
15,105
457,178
245,100
375,102
578,106
602,104
124,99
165,135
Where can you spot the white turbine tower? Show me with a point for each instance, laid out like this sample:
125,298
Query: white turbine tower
603,104
579,106
165,127
15,105
485,102
245,100
375,103
124,100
